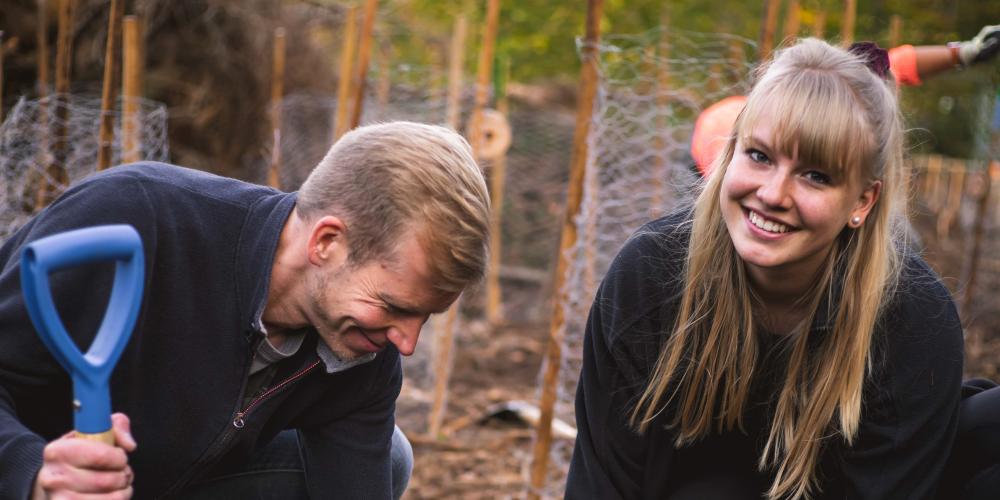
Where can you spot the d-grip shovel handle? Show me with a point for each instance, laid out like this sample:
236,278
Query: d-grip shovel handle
90,372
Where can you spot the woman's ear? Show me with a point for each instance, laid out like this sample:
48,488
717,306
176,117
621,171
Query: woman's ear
865,204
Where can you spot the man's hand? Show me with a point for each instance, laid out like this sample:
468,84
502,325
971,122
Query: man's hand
74,466
983,47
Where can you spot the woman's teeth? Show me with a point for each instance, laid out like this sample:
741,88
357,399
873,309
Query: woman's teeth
771,227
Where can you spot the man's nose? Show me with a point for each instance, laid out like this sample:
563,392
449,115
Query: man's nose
405,332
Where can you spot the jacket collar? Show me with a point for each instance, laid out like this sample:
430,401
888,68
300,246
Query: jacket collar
255,253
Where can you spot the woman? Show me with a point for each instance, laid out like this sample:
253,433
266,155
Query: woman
777,339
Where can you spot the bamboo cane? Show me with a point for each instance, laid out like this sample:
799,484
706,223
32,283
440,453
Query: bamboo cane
1,76
793,20
578,165
485,72
498,176
982,204
956,188
56,171
384,84
131,80
364,56
847,27
768,28
445,340
895,28
455,59
661,57
43,49
347,49
277,93
819,24
110,87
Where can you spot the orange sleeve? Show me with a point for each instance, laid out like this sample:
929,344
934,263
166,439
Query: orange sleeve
903,64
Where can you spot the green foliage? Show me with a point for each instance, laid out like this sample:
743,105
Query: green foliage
538,37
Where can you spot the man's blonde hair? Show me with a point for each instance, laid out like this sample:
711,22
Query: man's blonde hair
388,179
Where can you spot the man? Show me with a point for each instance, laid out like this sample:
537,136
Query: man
270,329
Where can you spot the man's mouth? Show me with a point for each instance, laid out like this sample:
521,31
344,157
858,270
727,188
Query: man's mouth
375,346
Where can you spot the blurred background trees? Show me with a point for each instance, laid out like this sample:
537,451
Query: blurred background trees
209,60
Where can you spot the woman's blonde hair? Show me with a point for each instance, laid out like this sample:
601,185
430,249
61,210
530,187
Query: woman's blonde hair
833,112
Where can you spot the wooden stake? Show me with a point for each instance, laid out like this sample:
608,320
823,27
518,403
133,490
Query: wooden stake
43,49
455,59
956,188
384,85
660,56
992,172
934,171
484,75
1,76
64,45
847,26
364,56
342,124
277,94
793,20
819,24
895,28
444,343
56,178
445,340
578,165
498,176
131,80
768,28
109,91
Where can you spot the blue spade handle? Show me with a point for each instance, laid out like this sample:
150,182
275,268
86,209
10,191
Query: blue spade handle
90,372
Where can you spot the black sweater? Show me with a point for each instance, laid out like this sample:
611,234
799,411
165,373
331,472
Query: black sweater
209,243
910,401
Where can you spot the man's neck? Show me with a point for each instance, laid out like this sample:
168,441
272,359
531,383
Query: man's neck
283,312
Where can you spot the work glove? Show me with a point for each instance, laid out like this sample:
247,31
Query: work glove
983,47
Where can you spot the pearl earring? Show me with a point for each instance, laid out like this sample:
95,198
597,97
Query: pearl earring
856,220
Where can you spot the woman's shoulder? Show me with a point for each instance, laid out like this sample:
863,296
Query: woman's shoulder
920,299
921,333
634,302
657,243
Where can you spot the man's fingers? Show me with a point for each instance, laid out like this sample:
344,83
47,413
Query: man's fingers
123,431
62,477
85,454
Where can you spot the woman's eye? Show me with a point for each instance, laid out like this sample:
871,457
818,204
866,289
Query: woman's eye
757,156
817,177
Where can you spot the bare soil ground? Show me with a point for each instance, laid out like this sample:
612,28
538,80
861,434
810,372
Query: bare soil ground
478,458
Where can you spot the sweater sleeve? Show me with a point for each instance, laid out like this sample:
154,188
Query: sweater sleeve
903,64
349,456
624,332
910,416
34,390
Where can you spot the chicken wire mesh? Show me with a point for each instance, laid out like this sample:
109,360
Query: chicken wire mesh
54,141
651,88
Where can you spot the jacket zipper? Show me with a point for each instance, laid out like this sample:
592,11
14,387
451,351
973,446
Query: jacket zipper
239,420
223,441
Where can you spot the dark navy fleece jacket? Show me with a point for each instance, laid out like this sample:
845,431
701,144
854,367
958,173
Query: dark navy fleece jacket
209,243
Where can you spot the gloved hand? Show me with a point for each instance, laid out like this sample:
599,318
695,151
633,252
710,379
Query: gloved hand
983,47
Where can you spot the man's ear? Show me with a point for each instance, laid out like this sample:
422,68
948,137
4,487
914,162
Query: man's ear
328,241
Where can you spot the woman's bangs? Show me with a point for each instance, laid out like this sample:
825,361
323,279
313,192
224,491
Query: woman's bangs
816,120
